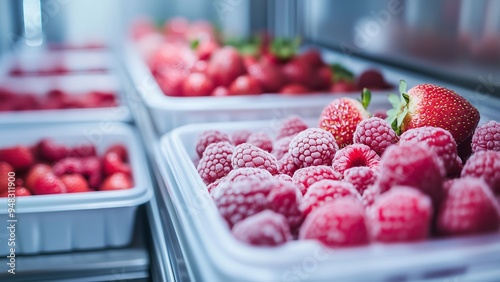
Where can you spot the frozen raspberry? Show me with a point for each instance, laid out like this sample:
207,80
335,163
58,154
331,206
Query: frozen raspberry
285,199
370,195
414,165
337,223
19,157
291,126
215,162
67,166
487,137
312,147
286,165
402,214
239,200
92,170
280,147
265,228
469,208
376,133
240,136
485,165
447,185
247,172
247,155
355,155
208,137
283,177
213,185
305,177
52,151
361,177
262,140
439,140
324,191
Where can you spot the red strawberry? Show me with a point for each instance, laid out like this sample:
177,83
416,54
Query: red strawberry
322,78
244,85
206,48
249,60
199,67
293,89
220,91
119,149
431,105
48,183
225,66
343,87
298,71
112,163
20,192
5,168
469,208
84,149
75,183
116,181
177,26
52,151
35,172
19,157
373,80
91,169
269,76
337,223
342,116
197,84
313,58
171,81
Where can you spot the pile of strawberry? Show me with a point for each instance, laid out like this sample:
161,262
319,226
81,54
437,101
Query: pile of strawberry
49,167
189,59
357,178
54,99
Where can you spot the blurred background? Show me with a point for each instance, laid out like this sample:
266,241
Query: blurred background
454,40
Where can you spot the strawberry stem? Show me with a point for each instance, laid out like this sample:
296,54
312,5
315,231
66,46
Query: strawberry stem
366,97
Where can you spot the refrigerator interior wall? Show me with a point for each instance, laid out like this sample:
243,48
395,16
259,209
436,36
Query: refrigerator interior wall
458,41
10,25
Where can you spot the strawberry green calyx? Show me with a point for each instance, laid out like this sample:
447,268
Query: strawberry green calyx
341,73
284,48
195,44
397,114
366,97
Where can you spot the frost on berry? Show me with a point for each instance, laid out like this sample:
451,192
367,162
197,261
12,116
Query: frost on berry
291,126
361,177
208,137
215,162
286,165
353,156
240,136
305,177
247,155
265,228
487,137
485,165
376,133
312,147
280,147
262,140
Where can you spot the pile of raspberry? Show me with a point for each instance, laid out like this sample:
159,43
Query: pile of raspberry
50,167
295,183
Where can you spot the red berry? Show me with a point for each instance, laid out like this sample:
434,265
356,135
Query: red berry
197,84
380,113
119,149
464,149
67,166
294,89
286,165
112,163
341,118
285,199
117,181
343,86
247,155
312,57
5,169
469,208
265,228
220,91
307,176
338,223
414,165
439,140
485,165
239,200
245,85
36,171
52,151
208,137
262,140
487,137
355,155
19,192
291,126
240,136
269,76
322,78
91,169
360,177
244,173
83,150
215,162
370,195
19,157
298,71
171,81
283,177
48,183
225,66
324,191
280,147
213,185
75,183
312,147
373,80
376,133
401,215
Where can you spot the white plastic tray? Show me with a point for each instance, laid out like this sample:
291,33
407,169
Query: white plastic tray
170,112
80,221
74,85
219,257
